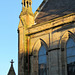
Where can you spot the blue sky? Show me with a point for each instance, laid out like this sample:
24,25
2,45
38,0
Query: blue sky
9,20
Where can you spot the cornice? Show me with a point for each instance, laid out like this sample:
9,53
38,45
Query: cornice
51,24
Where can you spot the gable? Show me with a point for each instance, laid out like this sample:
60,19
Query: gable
54,9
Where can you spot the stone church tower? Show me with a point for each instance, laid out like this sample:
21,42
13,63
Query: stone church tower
47,38
26,21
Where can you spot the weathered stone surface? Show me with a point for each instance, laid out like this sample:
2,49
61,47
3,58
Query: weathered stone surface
26,20
52,32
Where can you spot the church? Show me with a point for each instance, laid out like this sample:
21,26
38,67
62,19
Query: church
46,38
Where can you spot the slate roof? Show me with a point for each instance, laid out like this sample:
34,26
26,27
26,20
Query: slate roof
54,9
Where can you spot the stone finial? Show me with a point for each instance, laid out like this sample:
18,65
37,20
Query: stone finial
12,61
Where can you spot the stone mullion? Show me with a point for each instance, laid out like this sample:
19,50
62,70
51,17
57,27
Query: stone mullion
51,40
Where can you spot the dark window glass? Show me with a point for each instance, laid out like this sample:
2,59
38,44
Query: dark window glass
42,59
70,57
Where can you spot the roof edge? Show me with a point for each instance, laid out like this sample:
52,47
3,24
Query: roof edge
53,20
65,20
40,8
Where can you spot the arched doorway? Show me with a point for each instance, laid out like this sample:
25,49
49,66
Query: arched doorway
70,57
42,61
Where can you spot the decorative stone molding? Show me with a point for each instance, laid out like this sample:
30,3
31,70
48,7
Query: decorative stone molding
62,44
51,24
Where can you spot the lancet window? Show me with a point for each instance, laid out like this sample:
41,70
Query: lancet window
42,60
70,57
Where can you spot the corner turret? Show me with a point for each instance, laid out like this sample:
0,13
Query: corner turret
26,3
27,16
26,21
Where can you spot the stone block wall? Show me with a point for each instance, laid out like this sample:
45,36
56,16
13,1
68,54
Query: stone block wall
53,35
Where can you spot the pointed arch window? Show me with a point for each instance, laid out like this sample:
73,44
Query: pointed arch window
42,60
70,57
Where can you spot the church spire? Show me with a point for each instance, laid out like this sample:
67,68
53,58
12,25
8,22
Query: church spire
11,70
